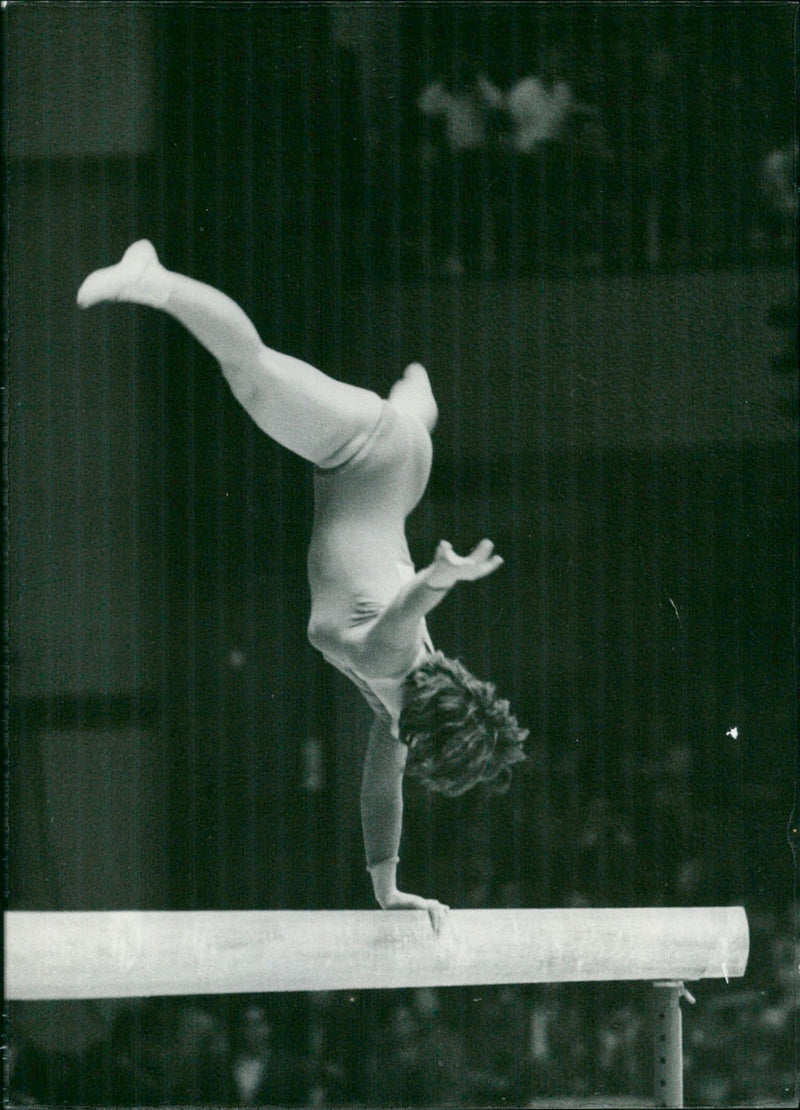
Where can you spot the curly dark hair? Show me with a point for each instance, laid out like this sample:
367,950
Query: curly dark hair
458,732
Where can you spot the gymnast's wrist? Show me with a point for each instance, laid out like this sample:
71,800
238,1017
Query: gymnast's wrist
435,586
384,879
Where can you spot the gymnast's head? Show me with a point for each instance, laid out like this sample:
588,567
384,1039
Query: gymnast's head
458,732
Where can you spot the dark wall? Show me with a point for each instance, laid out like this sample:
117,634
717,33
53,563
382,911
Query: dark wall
88,797
645,612
619,432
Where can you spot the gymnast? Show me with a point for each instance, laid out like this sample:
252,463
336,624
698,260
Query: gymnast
433,720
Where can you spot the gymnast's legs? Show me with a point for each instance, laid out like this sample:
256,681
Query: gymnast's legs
317,417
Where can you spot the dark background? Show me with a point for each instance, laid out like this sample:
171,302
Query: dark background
619,420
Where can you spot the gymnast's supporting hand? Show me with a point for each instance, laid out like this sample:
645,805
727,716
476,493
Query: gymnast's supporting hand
382,821
390,898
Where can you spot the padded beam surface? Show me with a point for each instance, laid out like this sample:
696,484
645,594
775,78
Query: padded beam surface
139,954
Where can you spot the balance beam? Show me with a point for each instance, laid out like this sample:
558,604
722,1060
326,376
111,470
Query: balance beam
144,954
131,954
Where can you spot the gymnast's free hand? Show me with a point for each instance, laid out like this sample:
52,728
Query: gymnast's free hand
448,568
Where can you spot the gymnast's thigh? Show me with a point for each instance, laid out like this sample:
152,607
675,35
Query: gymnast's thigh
379,487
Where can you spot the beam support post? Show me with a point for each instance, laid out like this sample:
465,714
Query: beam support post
668,1042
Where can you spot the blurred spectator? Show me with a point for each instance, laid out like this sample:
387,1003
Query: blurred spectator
778,185
140,1045
544,192
776,236
264,1074
199,1059
558,1041
670,816
602,837
590,162
545,1009
649,118
623,1067
327,1070
465,108
18,1082
783,1003
11,1084
418,1060
170,1053
539,108
497,1044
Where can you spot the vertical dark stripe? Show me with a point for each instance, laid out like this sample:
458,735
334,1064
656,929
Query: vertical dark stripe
282,315
220,593
195,818
253,744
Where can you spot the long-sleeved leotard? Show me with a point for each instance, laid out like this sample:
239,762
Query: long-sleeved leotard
372,459
358,559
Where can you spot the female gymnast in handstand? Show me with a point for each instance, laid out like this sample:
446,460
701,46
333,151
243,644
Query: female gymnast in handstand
433,719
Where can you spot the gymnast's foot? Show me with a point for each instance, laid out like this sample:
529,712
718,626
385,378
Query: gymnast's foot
138,277
413,393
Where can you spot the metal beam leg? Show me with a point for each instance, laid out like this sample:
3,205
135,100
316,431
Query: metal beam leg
668,1043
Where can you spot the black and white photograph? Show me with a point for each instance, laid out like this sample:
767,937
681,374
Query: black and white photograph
401,552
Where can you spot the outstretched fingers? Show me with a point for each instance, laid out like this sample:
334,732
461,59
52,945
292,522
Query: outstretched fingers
480,562
490,566
483,560
437,911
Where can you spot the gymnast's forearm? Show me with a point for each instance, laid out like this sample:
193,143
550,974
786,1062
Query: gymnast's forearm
398,625
382,809
382,818
382,824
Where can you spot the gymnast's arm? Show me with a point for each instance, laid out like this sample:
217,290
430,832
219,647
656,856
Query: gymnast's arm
387,644
382,822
